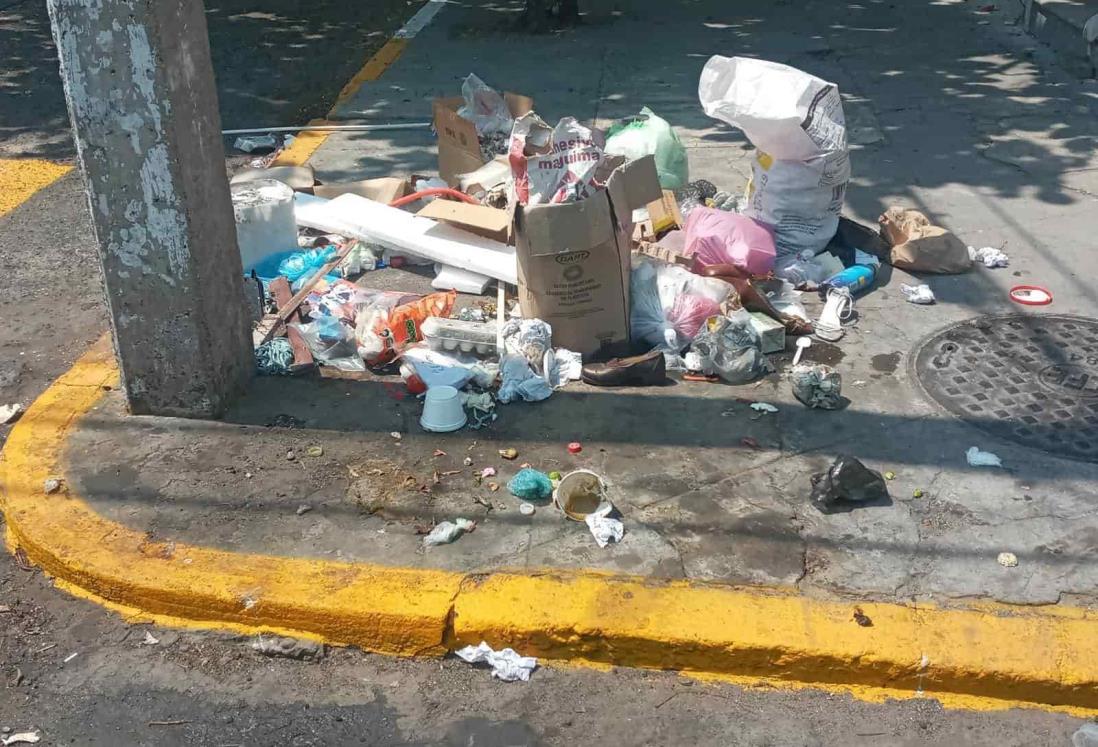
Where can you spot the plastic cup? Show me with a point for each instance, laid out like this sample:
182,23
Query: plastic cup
580,493
442,410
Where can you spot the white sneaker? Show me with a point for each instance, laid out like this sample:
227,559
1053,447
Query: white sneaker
837,309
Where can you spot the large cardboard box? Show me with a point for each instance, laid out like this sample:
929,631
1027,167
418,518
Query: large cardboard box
458,146
384,190
573,262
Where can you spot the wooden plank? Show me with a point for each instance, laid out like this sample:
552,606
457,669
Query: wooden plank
285,311
303,357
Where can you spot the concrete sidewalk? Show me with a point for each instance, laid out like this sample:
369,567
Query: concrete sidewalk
943,118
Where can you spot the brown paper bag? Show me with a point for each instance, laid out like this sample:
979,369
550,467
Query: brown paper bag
918,246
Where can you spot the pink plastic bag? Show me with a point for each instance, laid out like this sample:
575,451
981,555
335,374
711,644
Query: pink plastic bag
718,237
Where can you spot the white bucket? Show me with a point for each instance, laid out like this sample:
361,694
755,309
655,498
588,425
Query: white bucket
265,225
442,410
580,493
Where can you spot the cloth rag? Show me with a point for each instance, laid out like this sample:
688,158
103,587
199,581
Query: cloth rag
506,664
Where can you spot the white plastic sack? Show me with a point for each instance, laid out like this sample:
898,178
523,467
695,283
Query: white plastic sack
506,664
795,120
485,107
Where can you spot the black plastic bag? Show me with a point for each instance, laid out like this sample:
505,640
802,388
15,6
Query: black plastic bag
847,480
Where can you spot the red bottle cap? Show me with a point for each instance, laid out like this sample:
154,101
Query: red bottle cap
575,447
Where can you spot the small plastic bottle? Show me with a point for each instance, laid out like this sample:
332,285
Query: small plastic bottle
856,278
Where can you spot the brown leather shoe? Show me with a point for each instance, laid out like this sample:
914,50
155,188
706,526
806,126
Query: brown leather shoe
640,370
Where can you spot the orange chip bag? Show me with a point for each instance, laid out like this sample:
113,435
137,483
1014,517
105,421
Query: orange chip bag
383,332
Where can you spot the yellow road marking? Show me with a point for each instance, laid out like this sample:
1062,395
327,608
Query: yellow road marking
21,178
986,657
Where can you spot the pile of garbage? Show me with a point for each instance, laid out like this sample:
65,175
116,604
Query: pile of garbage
610,265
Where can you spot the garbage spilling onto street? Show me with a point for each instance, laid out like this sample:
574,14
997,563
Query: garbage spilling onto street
565,256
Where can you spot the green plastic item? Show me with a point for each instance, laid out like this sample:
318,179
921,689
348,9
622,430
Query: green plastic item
530,485
648,134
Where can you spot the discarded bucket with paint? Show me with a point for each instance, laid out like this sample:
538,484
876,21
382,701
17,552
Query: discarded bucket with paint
580,493
265,225
442,410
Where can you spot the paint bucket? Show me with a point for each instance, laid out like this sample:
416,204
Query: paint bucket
442,410
265,223
580,493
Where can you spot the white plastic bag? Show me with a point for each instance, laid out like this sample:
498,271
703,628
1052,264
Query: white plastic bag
668,304
485,107
795,120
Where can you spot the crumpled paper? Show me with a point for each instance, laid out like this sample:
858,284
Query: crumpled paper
519,382
977,458
529,338
446,532
920,294
989,256
604,529
506,664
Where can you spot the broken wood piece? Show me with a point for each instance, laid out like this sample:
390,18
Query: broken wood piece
287,310
303,357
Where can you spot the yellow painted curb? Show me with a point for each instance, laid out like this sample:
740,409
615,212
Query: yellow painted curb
23,177
994,656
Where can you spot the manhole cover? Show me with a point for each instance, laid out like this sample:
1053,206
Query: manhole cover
1028,379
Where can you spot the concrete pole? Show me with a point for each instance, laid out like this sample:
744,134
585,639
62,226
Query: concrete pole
141,97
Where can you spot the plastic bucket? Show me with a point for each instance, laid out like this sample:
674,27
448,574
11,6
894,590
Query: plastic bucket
442,410
579,493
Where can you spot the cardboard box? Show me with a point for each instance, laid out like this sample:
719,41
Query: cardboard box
458,146
489,222
663,214
573,262
383,190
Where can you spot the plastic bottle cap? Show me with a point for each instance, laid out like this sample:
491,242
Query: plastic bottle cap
575,447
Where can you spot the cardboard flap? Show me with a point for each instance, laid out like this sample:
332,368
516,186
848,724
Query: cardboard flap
489,222
518,104
552,229
635,184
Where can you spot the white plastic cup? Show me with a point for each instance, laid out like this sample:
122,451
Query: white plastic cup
442,410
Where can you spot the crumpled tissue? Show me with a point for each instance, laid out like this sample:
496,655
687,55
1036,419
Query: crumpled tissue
989,256
604,529
446,532
920,294
506,664
977,458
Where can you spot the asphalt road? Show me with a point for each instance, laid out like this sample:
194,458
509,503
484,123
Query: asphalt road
193,688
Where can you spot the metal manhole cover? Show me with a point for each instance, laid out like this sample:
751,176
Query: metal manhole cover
1028,379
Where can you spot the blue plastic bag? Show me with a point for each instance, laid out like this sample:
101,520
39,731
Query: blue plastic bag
530,485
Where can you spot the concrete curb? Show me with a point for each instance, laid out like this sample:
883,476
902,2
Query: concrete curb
988,657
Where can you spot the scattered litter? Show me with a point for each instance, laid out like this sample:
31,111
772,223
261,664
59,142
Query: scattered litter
977,458
526,509
554,476
303,509
22,737
919,246
509,454
917,493
289,648
816,385
763,407
9,413
254,143
396,436
604,528
447,531
290,456
150,639
920,294
530,485
1007,559
488,472
315,451
860,382
506,664
890,475
989,256
51,485
846,481
493,486
575,447
862,619
580,493
70,657
749,442
1030,295
467,461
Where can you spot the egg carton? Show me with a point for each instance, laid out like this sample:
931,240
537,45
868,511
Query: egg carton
455,335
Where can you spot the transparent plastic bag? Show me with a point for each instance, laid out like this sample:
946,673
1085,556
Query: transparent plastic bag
332,343
668,304
485,107
730,347
384,329
647,134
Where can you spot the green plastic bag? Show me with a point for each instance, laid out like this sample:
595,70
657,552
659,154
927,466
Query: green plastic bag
647,134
